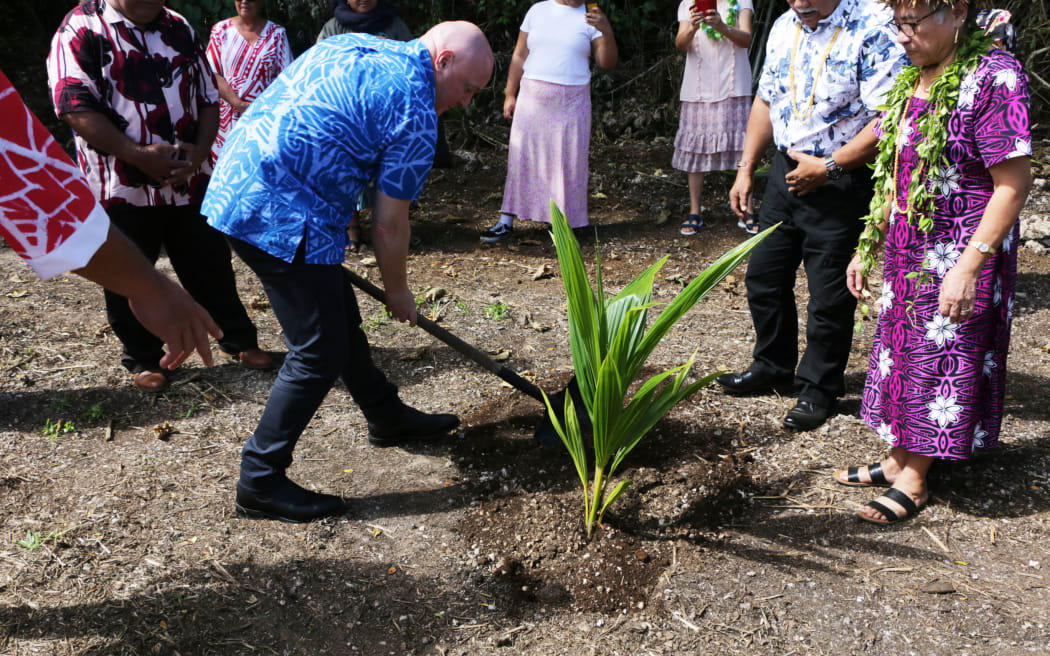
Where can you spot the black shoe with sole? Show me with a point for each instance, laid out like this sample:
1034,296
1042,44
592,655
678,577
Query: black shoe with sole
407,425
287,502
805,416
754,382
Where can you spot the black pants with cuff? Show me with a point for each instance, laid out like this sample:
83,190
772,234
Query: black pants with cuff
318,313
820,231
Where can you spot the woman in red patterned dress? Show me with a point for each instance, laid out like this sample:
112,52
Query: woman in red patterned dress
246,53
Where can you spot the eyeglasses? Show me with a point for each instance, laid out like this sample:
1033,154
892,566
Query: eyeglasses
909,27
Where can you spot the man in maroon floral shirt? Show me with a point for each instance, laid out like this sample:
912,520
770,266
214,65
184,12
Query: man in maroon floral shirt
130,78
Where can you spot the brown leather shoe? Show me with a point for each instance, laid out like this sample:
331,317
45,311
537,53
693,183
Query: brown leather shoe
150,381
254,358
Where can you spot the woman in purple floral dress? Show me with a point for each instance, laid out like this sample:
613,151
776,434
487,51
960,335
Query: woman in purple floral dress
937,372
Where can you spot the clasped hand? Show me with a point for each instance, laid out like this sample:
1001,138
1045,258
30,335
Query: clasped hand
164,162
710,18
808,176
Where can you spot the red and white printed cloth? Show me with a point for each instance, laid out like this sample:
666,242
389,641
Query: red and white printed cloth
151,81
247,67
48,214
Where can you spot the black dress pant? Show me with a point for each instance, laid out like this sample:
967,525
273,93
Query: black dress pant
322,328
201,259
820,231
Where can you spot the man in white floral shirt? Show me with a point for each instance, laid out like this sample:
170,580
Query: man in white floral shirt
828,66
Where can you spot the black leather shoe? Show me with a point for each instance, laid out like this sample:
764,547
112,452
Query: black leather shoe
805,416
751,382
407,425
287,502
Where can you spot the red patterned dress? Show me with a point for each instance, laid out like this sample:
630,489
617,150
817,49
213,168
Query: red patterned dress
47,211
934,387
247,67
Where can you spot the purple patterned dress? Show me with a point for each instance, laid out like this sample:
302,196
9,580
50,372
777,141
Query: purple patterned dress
934,387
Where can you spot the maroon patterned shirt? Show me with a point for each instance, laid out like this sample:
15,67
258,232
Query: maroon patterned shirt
151,82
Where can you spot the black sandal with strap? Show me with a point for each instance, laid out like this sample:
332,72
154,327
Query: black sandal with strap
895,495
878,478
691,226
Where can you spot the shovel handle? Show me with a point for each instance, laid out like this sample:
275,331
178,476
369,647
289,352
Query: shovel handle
457,344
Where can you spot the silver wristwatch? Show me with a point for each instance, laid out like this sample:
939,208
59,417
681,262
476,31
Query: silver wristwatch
834,170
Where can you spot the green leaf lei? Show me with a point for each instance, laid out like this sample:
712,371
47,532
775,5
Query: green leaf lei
734,11
932,132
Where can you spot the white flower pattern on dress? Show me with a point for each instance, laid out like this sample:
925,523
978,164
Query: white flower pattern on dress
945,180
886,433
1007,77
989,363
1010,309
997,290
943,256
886,300
944,411
885,363
904,136
940,330
967,90
1022,148
979,435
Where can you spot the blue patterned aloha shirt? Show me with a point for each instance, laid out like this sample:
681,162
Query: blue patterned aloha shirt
351,109
861,68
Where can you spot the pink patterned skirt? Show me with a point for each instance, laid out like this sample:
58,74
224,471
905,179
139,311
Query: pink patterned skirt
549,142
711,135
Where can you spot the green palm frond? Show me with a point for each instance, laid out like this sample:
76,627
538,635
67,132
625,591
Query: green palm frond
610,344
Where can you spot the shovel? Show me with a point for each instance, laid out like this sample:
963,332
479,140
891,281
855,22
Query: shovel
545,433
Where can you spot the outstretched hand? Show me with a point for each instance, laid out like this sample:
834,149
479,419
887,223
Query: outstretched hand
173,316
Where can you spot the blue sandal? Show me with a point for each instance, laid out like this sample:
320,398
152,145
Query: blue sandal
691,226
749,224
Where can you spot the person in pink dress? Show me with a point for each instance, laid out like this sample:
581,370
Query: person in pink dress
50,218
246,53
716,96
548,98
937,374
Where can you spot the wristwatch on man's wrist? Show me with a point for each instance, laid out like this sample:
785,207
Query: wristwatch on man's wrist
834,170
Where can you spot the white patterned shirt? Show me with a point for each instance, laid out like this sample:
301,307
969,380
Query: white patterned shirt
860,69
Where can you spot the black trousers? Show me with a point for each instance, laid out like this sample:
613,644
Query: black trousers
820,231
201,259
322,328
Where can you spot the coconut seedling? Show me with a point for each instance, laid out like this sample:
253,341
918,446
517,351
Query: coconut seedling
610,344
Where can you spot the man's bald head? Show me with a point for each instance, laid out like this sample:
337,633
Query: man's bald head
462,62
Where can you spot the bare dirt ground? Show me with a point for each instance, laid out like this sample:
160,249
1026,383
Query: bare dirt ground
118,534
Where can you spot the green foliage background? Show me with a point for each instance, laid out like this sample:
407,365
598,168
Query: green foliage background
649,73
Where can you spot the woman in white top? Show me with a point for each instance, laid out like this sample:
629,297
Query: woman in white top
548,97
716,95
